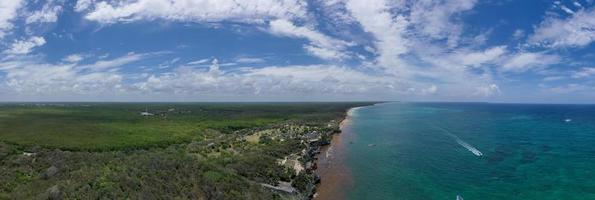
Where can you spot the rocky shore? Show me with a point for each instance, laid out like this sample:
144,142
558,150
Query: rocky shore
312,153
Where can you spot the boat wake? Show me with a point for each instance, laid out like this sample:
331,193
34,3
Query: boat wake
467,146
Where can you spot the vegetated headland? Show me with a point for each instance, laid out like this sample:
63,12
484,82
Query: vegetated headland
164,150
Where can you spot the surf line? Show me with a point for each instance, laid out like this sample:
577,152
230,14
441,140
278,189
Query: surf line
460,142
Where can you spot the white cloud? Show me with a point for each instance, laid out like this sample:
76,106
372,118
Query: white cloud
389,32
83,5
518,34
575,31
430,90
272,80
25,46
416,53
489,90
567,10
28,76
525,61
584,72
434,18
325,53
389,23
117,62
321,45
323,79
48,13
254,11
287,28
411,38
73,58
280,13
553,78
457,73
8,12
569,88
198,62
250,60
476,59
398,46
336,11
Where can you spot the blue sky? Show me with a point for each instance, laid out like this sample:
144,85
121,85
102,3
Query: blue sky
290,50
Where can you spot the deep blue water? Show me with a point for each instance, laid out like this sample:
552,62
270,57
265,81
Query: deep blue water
475,150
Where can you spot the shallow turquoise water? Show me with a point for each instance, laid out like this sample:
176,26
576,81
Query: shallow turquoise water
425,151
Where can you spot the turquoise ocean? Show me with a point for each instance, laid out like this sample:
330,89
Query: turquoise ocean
472,150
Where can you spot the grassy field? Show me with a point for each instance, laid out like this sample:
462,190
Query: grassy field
78,126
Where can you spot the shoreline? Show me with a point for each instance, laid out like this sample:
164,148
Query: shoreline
335,176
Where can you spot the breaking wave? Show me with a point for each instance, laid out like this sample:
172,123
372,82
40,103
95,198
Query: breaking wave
329,152
351,111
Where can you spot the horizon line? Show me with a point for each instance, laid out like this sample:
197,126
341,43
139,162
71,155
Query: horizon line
322,101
